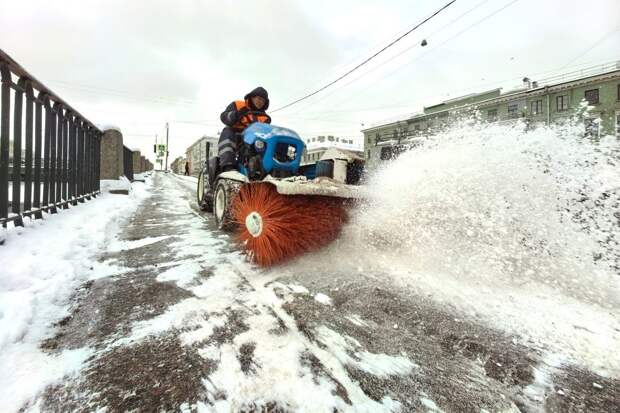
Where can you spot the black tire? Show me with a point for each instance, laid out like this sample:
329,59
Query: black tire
225,192
204,199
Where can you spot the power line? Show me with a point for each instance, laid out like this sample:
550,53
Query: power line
400,53
473,87
369,59
442,43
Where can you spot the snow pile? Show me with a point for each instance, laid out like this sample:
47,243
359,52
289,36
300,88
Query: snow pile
122,184
40,267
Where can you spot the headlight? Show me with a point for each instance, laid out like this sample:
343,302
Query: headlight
259,145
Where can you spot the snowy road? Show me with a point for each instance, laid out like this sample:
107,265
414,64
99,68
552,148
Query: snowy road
180,322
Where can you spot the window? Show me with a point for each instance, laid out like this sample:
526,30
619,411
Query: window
368,154
618,122
492,115
536,107
618,97
592,96
513,109
417,127
561,103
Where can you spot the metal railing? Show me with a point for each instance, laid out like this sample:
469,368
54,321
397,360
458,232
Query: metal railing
60,148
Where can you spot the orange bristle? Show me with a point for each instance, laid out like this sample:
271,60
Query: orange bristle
291,225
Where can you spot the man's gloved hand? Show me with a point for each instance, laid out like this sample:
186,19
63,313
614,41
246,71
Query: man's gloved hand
241,113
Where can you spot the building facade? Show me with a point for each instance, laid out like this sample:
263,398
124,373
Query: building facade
178,165
536,103
196,154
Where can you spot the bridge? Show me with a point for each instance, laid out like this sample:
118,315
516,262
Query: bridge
137,302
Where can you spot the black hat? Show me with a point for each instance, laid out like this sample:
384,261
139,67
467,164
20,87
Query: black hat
259,91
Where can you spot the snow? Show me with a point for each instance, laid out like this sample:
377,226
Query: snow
108,126
130,245
41,265
503,225
357,320
298,289
122,183
380,365
323,299
279,375
429,404
182,275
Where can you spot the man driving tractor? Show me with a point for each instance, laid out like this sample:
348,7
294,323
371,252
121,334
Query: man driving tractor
238,116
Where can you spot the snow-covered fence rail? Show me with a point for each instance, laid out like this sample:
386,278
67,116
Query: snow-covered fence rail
49,152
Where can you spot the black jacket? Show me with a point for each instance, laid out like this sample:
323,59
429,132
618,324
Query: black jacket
233,114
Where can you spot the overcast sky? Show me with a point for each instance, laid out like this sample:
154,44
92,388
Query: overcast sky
140,63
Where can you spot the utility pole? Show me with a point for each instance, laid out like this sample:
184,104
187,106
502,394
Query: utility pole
166,147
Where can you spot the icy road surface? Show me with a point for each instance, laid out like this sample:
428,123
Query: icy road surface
174,319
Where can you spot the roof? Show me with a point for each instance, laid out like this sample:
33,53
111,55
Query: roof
584,76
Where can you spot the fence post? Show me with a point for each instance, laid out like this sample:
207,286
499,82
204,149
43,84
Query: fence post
88,144
29,147
137,164
72,150
17,152
80,159
38,129
112,165
5,115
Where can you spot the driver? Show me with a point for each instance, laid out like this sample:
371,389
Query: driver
237,116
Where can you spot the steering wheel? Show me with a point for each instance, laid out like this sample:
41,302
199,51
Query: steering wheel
258,113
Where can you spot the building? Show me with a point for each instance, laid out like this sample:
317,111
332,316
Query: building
178,165
328,138
313,153
537,103
196,154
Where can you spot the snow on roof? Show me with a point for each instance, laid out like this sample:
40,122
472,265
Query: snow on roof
106,127
336,153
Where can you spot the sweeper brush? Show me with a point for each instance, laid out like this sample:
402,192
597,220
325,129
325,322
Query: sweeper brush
273,227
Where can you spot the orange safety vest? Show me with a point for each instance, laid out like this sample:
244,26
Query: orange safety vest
245,121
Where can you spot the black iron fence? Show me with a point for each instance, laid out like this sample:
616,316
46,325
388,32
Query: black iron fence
49,152
128,163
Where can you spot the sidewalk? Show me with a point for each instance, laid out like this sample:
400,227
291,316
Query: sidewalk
178,321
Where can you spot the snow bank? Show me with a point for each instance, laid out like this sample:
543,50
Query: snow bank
40,267
122,183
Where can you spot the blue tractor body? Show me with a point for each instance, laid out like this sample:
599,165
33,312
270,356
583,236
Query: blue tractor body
274,148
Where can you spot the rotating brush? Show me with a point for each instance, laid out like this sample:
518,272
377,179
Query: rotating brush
274,227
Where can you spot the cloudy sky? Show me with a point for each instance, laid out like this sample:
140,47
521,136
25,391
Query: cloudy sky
139,64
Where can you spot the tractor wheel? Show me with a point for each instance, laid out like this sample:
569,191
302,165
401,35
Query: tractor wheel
205,200
225,192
